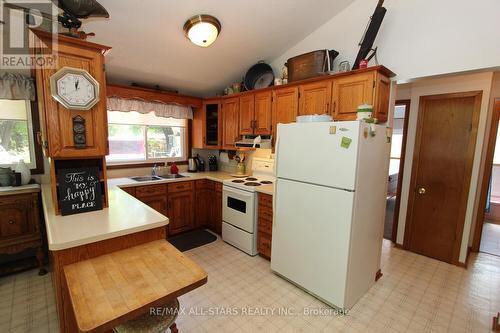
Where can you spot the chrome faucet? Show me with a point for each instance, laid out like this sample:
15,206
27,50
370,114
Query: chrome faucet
154,170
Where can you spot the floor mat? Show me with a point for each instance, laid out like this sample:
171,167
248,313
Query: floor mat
192,239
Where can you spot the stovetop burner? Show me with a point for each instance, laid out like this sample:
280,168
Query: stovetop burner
252,184
266,182
251,179
238,181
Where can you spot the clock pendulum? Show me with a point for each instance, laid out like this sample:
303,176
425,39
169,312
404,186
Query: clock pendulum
79,132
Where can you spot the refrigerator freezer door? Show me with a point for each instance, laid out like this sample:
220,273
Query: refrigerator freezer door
318,153
311,234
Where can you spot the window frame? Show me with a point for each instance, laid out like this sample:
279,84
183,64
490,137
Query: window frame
151,161
33,122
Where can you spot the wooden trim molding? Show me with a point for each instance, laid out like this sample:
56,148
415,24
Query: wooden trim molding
146,94
397,204
487,165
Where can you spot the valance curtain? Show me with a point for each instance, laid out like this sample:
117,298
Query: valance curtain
16,86
141,106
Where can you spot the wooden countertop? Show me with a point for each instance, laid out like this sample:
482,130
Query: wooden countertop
111,289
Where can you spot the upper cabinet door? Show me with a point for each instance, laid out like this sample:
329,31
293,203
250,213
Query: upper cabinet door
315,97
263,113
58,121
349,92
285,105
382,95
230,120
247,108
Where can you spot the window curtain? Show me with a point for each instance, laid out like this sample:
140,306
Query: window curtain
17,87
141,106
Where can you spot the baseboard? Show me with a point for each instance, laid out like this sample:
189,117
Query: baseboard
398,246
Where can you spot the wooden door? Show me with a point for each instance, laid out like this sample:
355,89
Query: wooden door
314,98
349,92
263,113
180,211
441,173
230,119
285,106
247,108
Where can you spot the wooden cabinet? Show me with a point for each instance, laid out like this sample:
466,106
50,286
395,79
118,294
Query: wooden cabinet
315,97
180,211
263,113
216,209
20,231
256,113
57,121
204,201
155,196
349,92
381,98
230,122
265,225
207,125
284,107
247,114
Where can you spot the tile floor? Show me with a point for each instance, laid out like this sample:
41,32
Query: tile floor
416,294
490,239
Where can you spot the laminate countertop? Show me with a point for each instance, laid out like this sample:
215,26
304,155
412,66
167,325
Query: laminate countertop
217,176
13,190
125,214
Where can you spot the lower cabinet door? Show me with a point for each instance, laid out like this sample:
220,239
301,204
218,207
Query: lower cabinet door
216,212
180,211
203,202
158,203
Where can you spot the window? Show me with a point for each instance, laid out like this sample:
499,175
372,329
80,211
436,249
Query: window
137,137
16,133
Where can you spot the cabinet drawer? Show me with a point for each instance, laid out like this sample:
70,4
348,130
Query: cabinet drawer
264,245
204,184
180,186
13,222
150,190
129,190
265,200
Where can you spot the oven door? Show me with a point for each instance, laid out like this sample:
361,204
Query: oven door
238,208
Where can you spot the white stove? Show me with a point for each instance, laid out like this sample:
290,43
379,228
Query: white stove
239,205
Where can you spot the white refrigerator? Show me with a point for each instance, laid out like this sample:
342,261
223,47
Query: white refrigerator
329,207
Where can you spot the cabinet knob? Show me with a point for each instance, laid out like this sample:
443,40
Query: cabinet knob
12,221
421,190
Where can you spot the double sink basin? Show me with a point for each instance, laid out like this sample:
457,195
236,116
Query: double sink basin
152,178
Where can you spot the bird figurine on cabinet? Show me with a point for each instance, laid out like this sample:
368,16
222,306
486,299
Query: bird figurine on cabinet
74,10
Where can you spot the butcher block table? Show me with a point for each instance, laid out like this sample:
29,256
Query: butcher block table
113,288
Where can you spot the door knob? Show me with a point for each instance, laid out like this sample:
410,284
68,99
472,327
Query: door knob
421,190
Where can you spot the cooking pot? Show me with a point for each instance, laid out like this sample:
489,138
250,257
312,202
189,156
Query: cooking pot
259,76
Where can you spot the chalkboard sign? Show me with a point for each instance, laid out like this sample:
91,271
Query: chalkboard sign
79,190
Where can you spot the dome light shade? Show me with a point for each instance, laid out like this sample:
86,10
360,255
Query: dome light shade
202,30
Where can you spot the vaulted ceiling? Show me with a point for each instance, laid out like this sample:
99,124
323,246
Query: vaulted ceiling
149,47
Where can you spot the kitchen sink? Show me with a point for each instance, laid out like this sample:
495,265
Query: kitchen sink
146,178
173,176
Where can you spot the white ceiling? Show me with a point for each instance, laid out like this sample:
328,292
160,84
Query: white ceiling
148,44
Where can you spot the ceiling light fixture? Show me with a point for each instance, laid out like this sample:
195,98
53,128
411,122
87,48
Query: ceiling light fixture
202,30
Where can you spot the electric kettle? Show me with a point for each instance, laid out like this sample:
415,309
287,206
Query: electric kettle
193,164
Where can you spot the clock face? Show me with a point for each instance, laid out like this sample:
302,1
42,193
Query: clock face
75,89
